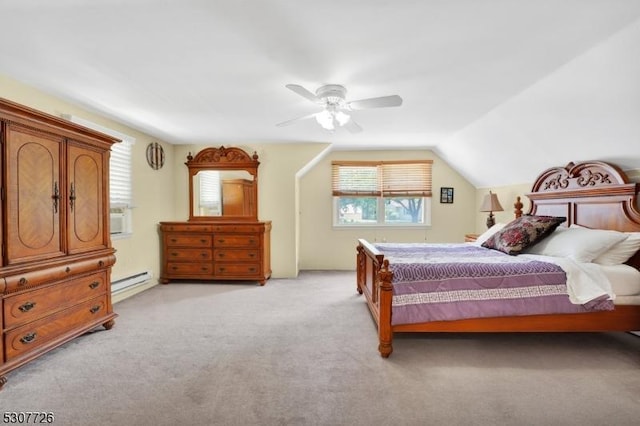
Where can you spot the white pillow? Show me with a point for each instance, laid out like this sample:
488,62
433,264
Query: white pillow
620,252
488,233
577,243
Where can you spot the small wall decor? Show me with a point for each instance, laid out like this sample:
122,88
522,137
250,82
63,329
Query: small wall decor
155,155
446,195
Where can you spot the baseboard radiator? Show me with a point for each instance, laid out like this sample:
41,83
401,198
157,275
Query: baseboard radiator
130,281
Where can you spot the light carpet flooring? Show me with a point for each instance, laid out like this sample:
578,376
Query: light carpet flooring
304,352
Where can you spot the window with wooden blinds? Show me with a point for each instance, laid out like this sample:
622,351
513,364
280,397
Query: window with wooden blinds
383,178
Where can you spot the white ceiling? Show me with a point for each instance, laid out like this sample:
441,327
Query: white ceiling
209,72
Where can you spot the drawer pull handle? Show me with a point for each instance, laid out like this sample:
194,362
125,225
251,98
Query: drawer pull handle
27,306
94,309
220,254
67,270
252,255
101,263
252,269
203,241
204,268
221,269
174,254
173,240
94,285
72,196
23,281
204,255
174,268
221,240
28,338
252,241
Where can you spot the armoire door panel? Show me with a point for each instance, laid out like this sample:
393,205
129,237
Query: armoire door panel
34,194
85,181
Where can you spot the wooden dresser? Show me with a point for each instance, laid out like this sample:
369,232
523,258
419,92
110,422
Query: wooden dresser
216,251
223,238
55,267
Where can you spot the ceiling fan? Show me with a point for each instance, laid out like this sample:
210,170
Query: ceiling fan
336,110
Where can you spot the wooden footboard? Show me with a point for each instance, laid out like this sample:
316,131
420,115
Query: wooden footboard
374,281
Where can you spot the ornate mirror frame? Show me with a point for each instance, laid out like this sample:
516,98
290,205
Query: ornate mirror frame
224,159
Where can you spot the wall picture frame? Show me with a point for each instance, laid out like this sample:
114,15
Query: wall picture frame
446,195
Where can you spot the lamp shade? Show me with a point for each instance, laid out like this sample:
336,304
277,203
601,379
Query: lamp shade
491,203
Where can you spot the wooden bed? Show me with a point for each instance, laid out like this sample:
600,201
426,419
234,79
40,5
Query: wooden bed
592,194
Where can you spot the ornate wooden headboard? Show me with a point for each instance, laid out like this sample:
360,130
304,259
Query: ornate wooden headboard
594,194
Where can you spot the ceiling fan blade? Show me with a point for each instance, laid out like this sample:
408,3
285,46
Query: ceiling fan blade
303,92
295,120
381,102
352,126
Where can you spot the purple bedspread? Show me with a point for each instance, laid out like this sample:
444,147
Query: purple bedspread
444,282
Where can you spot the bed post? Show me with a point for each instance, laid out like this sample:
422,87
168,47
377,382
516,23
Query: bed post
360,269
385,333
518,205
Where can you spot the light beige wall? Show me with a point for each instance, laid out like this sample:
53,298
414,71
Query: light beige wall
152,189
323,247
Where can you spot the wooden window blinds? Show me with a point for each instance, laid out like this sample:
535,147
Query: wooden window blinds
411,178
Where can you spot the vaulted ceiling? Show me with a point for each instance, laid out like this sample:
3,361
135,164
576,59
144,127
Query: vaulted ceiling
500,89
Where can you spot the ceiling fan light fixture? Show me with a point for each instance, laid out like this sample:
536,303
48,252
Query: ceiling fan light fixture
326,120
342,118
329,120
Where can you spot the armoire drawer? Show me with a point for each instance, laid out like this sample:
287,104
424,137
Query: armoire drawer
189,268
31,305
32,335
31,279
185,240
236,240
188,255
244,269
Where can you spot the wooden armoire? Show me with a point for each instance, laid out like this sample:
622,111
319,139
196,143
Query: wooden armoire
55,267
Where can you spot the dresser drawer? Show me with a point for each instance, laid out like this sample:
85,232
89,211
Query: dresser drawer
31,336
189,268
31,305
236,240
239,269
188,255
184,227
237,228
231,255
182,240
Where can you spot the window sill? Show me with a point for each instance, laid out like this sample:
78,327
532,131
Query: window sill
121,236
377,226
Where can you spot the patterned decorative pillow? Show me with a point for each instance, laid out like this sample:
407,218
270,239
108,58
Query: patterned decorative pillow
523,232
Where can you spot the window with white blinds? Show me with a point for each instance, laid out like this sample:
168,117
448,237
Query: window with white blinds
209,183
120,193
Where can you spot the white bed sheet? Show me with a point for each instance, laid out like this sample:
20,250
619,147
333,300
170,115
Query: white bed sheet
587,281
624,279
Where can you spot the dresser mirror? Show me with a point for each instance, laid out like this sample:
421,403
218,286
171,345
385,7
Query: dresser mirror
223,185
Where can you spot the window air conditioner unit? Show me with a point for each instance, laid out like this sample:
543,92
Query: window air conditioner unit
117,223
